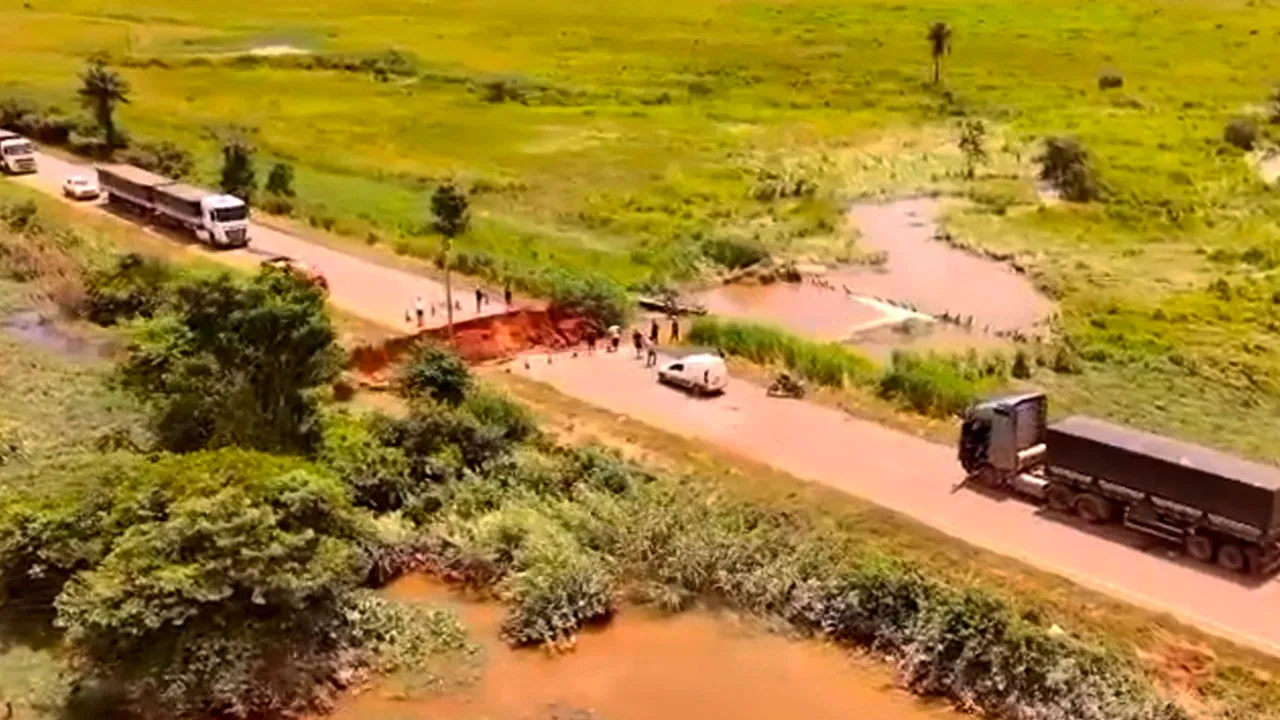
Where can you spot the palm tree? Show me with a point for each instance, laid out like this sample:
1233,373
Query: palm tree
452,214
939,45
101,89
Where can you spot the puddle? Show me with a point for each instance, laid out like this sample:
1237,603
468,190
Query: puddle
32,328
643,666
921,278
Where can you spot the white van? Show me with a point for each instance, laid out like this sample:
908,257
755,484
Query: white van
699,373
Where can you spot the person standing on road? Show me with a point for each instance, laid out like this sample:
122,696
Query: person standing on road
651,356
637,339
479,299
653,331
615,338
591,341
420,311
675,329
506,295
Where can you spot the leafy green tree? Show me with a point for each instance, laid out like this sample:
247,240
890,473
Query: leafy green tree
101,90
237,363
436,372
238,175
280,180
939,45
973,138
1065,165
452,213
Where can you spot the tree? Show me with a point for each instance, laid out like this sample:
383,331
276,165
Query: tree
436,372
939,45
101,90
238,175
280,180
236,363
973,136
1065,165
1241,132
451,210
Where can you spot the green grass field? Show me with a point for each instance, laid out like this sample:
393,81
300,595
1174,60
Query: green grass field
619,137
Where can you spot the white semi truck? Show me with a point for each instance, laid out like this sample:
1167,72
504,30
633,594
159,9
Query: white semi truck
17,154
220,220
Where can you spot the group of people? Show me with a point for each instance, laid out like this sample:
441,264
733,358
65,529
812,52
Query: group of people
646,346
482,298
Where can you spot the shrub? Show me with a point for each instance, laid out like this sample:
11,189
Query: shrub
437,372
280,181
1110,80
238,175
1065,165
591,296
163,158
734,254
561,588
1021,365
1241,132
137,287
380,476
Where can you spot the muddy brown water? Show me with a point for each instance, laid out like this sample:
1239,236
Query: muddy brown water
921,271
32,327
644,666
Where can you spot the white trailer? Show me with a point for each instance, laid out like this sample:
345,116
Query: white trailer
220,220
17,154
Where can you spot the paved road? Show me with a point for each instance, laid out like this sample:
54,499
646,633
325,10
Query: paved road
366,289
920,479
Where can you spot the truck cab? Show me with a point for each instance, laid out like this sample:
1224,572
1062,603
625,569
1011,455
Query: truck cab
17,154
226,220
1003,437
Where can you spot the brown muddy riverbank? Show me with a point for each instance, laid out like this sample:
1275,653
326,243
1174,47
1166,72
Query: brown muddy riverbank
645,666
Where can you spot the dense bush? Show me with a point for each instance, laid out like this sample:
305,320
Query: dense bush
594,297
1066,166
236,363
434,371
1241,132
828,364
163,158
1110,80
734,254
137,287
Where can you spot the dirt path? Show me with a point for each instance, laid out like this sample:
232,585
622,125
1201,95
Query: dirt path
363,288
919,479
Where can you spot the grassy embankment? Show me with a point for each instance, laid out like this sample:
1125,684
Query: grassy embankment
617,137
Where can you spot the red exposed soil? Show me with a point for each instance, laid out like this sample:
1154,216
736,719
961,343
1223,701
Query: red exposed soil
481,339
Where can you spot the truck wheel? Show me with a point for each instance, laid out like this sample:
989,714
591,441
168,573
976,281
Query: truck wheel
1199,547
1094,509
1231,557
1060,497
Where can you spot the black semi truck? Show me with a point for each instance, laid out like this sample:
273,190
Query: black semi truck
1218,508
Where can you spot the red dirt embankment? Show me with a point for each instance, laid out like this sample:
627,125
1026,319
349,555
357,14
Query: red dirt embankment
481,339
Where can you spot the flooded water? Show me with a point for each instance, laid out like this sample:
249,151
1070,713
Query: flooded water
921,273
692,666
34,328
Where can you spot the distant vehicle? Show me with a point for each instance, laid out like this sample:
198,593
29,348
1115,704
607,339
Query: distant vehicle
80,187
1217,507
17,154
701,373
302,269
220,220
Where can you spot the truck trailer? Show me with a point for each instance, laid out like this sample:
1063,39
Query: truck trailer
220,220
17,154
1217,507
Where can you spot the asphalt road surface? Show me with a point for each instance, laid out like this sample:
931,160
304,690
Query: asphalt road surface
361,287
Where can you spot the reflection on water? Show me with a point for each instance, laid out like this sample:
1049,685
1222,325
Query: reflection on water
694,666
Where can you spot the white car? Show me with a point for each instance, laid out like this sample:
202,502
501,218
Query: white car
700,373
80,187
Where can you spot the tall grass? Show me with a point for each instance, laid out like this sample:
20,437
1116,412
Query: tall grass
931,384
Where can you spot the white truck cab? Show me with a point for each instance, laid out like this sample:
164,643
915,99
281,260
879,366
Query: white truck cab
703,373
17,154
226,219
